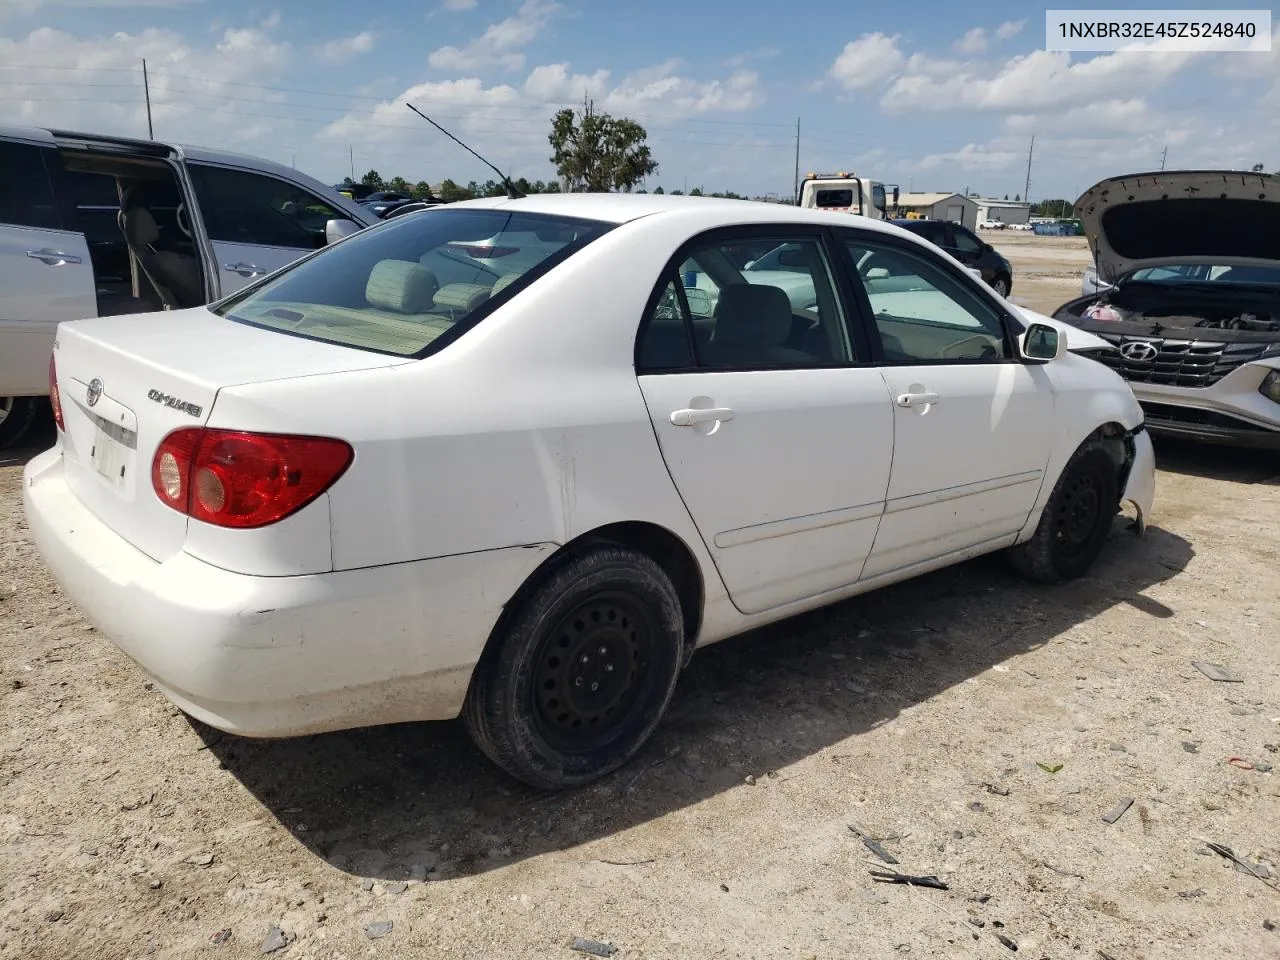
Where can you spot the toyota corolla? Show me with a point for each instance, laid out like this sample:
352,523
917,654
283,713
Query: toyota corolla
354,494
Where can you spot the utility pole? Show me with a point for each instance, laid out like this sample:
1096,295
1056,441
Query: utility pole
146,86
1164,153
1026,190
796,184
351,155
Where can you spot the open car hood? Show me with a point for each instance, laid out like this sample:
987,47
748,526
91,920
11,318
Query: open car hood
1187,216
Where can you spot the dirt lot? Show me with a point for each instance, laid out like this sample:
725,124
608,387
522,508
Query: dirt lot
128,831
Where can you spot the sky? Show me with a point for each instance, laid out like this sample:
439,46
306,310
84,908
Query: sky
925,94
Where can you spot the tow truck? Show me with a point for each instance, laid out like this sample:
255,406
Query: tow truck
848,193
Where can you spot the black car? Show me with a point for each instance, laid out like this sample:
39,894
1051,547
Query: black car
965,245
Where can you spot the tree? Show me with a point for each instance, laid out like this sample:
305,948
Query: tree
400,185
372,179
1257,168
1017,199
348,182
450,192
597,153
658,189
695,192
1006,196
422,191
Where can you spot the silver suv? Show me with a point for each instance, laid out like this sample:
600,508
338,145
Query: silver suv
95,226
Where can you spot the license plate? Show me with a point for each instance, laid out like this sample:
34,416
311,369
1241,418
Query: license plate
110,457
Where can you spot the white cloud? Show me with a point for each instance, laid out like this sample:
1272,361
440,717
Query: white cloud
864,62
500,43
1113,117
973,42
553,82
25,7
342,49
970,157
457,6
1009,29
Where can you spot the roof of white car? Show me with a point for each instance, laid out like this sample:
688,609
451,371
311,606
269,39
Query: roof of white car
624,207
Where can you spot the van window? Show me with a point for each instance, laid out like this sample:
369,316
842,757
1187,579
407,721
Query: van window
239,206
26,196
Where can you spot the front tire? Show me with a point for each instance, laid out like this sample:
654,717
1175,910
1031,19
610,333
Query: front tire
577,677
1002,285
17,414
1076,520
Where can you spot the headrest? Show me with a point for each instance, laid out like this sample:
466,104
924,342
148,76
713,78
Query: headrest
503,282
138,226
461,297
401,285
753,315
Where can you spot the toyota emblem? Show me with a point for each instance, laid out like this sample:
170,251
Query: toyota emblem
1139,351
94,393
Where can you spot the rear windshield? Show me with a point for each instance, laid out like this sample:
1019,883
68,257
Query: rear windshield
834,198
412,285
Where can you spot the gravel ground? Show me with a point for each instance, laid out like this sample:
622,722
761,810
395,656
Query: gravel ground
979,726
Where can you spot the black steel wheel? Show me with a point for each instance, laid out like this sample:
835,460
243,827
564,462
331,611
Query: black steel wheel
1076,520
578,675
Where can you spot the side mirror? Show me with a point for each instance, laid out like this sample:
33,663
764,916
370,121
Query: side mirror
1043,343
895,196
335,230
974,272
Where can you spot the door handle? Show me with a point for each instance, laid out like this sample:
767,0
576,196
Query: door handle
244,269
688,417
917,399
53,258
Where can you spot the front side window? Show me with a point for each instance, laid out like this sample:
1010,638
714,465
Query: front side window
781,311
403,285
26,197
923,312
966,241
243,207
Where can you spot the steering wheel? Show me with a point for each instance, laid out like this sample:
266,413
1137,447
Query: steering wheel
954,351
184,219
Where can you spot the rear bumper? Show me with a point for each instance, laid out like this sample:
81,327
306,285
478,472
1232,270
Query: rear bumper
279,656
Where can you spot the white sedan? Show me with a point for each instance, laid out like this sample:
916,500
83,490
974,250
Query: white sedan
352,494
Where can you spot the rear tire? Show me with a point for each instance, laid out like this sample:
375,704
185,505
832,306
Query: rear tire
1076,520
17,414
578,675
1002,285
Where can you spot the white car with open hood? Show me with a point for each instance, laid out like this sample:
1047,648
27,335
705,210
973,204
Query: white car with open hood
357,492
1189,299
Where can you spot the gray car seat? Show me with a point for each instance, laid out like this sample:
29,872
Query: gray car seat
175,277
753,324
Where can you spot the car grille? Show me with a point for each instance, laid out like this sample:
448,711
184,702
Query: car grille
1179,363
1158,413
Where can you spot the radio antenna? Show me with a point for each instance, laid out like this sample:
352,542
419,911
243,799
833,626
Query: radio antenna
512,192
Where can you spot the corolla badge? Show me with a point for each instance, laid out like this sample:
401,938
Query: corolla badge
94,393
1139,351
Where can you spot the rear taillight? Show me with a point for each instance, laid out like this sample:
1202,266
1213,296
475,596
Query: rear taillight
55,398
233,479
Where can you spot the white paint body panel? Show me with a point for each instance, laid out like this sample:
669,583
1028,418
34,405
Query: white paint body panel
528,432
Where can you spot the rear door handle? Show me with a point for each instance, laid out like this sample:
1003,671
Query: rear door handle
244,269
916,399
54,258
688,417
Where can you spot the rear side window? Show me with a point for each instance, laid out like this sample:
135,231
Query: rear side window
243,207
26,196
410,286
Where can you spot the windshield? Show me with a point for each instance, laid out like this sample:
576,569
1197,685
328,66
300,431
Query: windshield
414,284
1201,273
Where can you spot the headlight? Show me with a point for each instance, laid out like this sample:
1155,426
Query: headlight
1270,387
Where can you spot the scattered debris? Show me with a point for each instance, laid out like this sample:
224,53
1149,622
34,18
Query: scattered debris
1262,767
418,872
1225,851
1009,942
366,884
593,947
1259,869
379,928
1191,746
53,916
1119,748
893,876
1268,925
200,860
156,884
137,804
1240,763
8,590
1118,811
627,863
396,887
750,780
1217,672
1062,873
1049,767
276,939
724,888
221,937
977,807
1191,894
872,844
998,790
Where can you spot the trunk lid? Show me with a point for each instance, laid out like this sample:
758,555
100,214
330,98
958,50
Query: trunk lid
126,382
1141,220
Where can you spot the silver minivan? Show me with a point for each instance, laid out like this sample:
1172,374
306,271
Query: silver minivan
95,225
